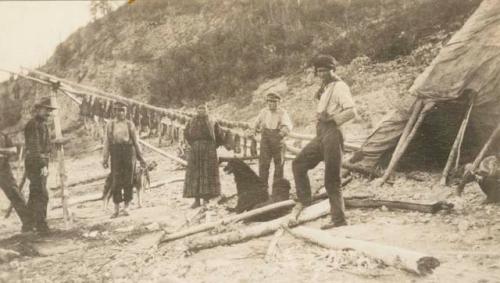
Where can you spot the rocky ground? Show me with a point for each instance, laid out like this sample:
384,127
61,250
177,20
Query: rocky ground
96,248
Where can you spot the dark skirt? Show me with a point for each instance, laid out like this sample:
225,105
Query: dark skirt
202,173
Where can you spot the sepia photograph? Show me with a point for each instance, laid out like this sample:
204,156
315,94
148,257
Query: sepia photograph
250,141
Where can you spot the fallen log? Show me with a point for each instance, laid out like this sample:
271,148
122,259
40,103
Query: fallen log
98,196
231,219
350,202
83,182
308,214
412,261
271,250
375,203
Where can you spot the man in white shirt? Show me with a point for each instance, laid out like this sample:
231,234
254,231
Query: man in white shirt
274,124
335,107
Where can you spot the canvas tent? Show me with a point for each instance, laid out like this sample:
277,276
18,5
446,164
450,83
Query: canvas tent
467,70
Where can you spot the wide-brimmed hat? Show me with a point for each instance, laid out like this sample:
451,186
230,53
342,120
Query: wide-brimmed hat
45,103
273,97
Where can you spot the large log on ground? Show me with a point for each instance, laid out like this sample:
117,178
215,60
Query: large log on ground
308,214
416,262
231,219
352,202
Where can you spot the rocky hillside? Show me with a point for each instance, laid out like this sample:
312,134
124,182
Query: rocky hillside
177,53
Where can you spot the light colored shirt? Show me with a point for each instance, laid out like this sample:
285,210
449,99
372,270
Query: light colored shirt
273,120
335,98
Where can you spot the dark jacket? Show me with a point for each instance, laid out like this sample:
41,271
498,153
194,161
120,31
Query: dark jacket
37,139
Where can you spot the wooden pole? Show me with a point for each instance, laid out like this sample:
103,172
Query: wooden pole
60,154
420,112
161,152
477,161
174,158
419,263
456,146
20,188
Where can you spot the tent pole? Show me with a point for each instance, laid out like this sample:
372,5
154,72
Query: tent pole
416,108
60,154
405,141
456,146
479,158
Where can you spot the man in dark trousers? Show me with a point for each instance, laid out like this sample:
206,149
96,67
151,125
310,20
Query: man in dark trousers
37,139
274,124
121,145
8,182
335,107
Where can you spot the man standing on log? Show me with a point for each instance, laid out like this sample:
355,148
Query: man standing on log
121,145
274,124
37,139
335,107
8,182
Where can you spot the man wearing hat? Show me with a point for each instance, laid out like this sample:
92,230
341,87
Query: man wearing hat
121,146
335,107
274,123
37,140
8,182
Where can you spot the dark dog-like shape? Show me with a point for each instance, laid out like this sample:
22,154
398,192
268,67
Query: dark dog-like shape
141,181
250,188
281,192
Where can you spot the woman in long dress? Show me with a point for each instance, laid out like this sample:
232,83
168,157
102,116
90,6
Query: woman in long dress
202,174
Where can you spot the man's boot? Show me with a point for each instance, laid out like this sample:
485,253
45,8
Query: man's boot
43,229
117,211
125,209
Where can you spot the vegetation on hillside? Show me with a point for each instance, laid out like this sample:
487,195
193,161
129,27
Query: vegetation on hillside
176,52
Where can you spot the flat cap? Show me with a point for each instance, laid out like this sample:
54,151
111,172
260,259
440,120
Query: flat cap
119,105
324,61
273,97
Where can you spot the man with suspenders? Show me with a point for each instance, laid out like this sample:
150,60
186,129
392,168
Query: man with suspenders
121,146
335,107
274,124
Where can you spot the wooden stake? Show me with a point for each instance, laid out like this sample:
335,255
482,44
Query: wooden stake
477,161
455,149
60,155
405,140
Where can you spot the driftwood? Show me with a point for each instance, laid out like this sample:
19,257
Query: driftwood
83,182
374,203
308,214
412,261
98,196
231,219
350,202
271,249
